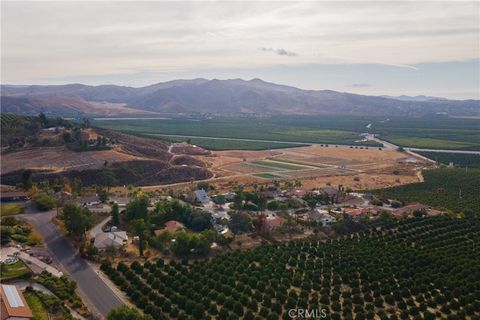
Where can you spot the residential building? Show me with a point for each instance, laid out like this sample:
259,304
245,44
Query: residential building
114,238
230,196
319,215
201,196
13,305
171,226
272,222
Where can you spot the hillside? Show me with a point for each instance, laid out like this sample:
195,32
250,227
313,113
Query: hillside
224,97
73,151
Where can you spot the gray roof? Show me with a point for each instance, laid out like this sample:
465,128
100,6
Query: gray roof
201,196
105,239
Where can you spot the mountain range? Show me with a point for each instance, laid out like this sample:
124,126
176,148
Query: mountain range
217,97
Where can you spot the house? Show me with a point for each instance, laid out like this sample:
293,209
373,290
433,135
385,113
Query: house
273,222
53,129
114,238
13,196
171,226
120,201
229,196
13,305
295,193
88,201
201,196
270,194
220,215
334,194
319,215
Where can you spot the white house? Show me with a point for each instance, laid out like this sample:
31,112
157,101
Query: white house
113,238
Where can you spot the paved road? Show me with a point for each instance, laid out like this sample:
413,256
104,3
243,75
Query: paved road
96,294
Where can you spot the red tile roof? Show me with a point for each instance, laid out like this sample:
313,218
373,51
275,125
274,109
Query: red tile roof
13,304
172,226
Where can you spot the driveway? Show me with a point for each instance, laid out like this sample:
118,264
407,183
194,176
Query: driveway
97,295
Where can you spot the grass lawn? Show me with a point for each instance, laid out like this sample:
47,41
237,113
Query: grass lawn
38,309
266,175
10,209
14,271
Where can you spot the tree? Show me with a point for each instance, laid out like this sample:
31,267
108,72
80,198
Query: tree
77,186
262,204
77,220
43,119
108,178
189,243
43,201
115,215
137,208
220,199
240,222
140,228
26,179
126,313
85,123
102,195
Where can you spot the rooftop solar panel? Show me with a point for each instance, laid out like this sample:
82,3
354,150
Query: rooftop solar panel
12,295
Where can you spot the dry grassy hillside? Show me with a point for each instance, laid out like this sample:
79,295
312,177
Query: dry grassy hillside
131,159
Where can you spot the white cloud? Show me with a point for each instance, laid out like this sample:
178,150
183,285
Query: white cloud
58,39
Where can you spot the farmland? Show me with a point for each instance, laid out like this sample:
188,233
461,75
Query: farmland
291,129
219,144
429,269
450,188
315,166
432,132
458,159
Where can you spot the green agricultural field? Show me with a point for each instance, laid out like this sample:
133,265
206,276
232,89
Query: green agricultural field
458,159
429,270
450,188
226,144
431,132
429,143
266,175
333,130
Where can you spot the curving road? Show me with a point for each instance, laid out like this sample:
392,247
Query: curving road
95,293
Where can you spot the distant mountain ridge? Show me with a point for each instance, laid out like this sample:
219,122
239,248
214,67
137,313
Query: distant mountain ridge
222,97
414,98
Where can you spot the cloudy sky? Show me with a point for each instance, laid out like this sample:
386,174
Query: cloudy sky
381,47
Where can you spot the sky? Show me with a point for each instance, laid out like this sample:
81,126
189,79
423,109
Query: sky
376,48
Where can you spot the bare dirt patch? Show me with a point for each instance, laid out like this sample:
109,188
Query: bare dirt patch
354,168
60,159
